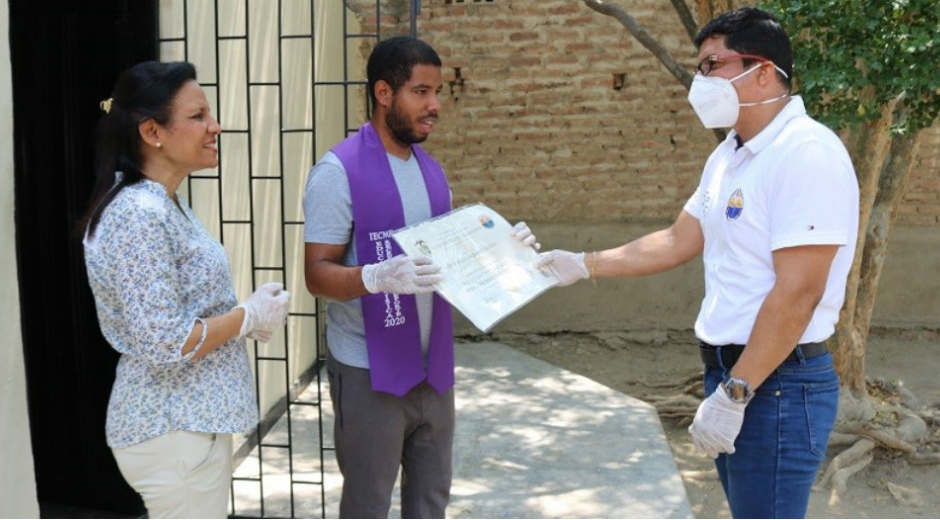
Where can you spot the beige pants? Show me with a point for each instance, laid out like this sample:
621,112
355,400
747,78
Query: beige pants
180,474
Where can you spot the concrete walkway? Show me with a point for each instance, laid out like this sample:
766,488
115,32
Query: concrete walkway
532,441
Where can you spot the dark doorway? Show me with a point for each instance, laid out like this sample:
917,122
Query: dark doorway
66,55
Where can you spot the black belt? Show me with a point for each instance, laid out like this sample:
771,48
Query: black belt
731,353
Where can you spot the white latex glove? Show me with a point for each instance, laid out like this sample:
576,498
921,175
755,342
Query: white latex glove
568,267
717,424
402,274
522,233
265,310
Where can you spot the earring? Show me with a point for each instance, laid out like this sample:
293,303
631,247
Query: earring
159,145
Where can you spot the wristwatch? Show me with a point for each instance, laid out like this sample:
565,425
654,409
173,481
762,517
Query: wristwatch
738,390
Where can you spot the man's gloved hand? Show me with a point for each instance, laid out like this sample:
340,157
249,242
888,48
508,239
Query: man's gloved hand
522,233
402,274
717,424
568,267
265,310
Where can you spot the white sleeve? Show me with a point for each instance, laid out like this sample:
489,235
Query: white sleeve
694,205
814,197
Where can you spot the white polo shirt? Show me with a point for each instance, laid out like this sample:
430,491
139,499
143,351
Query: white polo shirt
793,184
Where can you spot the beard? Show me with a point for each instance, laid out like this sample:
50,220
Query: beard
401,129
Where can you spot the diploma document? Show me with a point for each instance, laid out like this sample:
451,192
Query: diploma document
487,273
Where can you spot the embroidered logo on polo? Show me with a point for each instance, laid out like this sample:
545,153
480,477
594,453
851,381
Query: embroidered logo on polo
735,205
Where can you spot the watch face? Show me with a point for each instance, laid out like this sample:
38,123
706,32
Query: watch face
738,390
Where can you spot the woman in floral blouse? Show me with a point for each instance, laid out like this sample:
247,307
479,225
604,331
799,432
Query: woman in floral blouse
165,298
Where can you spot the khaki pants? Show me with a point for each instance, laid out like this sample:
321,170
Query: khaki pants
180,474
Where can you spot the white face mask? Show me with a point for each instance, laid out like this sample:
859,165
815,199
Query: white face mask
715,100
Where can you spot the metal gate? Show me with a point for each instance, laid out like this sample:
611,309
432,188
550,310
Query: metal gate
286,79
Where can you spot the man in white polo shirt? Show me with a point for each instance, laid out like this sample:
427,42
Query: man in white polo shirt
775,218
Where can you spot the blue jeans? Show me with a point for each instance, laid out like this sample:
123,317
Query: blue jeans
782,441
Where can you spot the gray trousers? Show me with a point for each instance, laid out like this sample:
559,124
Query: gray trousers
376,433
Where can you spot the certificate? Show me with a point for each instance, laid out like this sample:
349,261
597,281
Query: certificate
487,273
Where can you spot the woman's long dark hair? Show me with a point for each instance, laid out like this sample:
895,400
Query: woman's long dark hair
144,91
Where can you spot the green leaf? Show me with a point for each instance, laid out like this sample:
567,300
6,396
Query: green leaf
843,48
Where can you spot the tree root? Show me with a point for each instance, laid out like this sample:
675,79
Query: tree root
892,427
888,439
680,406
847,460
842,439
905,495
685,381
841,477
673,403
923,459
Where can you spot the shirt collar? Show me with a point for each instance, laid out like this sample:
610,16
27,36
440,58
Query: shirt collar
794,108
152,186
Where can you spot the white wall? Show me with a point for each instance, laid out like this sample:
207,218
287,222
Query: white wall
17,476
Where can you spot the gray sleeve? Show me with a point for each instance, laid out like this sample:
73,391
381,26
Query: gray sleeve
327,203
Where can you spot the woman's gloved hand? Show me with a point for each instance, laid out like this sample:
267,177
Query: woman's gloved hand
265,310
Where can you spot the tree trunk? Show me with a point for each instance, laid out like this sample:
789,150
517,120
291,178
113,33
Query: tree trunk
891,188
868,145
708,9
883,164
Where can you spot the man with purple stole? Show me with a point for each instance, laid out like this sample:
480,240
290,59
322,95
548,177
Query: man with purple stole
390,337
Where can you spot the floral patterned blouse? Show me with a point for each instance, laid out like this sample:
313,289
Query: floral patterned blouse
153,270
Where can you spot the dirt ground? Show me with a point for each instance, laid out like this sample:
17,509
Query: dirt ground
631,362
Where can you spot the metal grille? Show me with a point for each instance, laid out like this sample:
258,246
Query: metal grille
270,70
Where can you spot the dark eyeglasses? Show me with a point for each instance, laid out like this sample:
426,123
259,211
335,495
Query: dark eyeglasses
707,65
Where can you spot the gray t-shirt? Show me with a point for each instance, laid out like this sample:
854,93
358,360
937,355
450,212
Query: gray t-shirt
329,220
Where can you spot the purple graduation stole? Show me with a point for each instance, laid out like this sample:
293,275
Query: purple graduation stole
393,335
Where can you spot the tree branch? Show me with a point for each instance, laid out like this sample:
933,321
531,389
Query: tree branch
645,39
687,18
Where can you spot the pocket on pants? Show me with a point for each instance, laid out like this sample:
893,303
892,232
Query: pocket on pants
204,446
821,404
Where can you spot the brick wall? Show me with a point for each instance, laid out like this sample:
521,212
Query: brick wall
534,126
921,205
